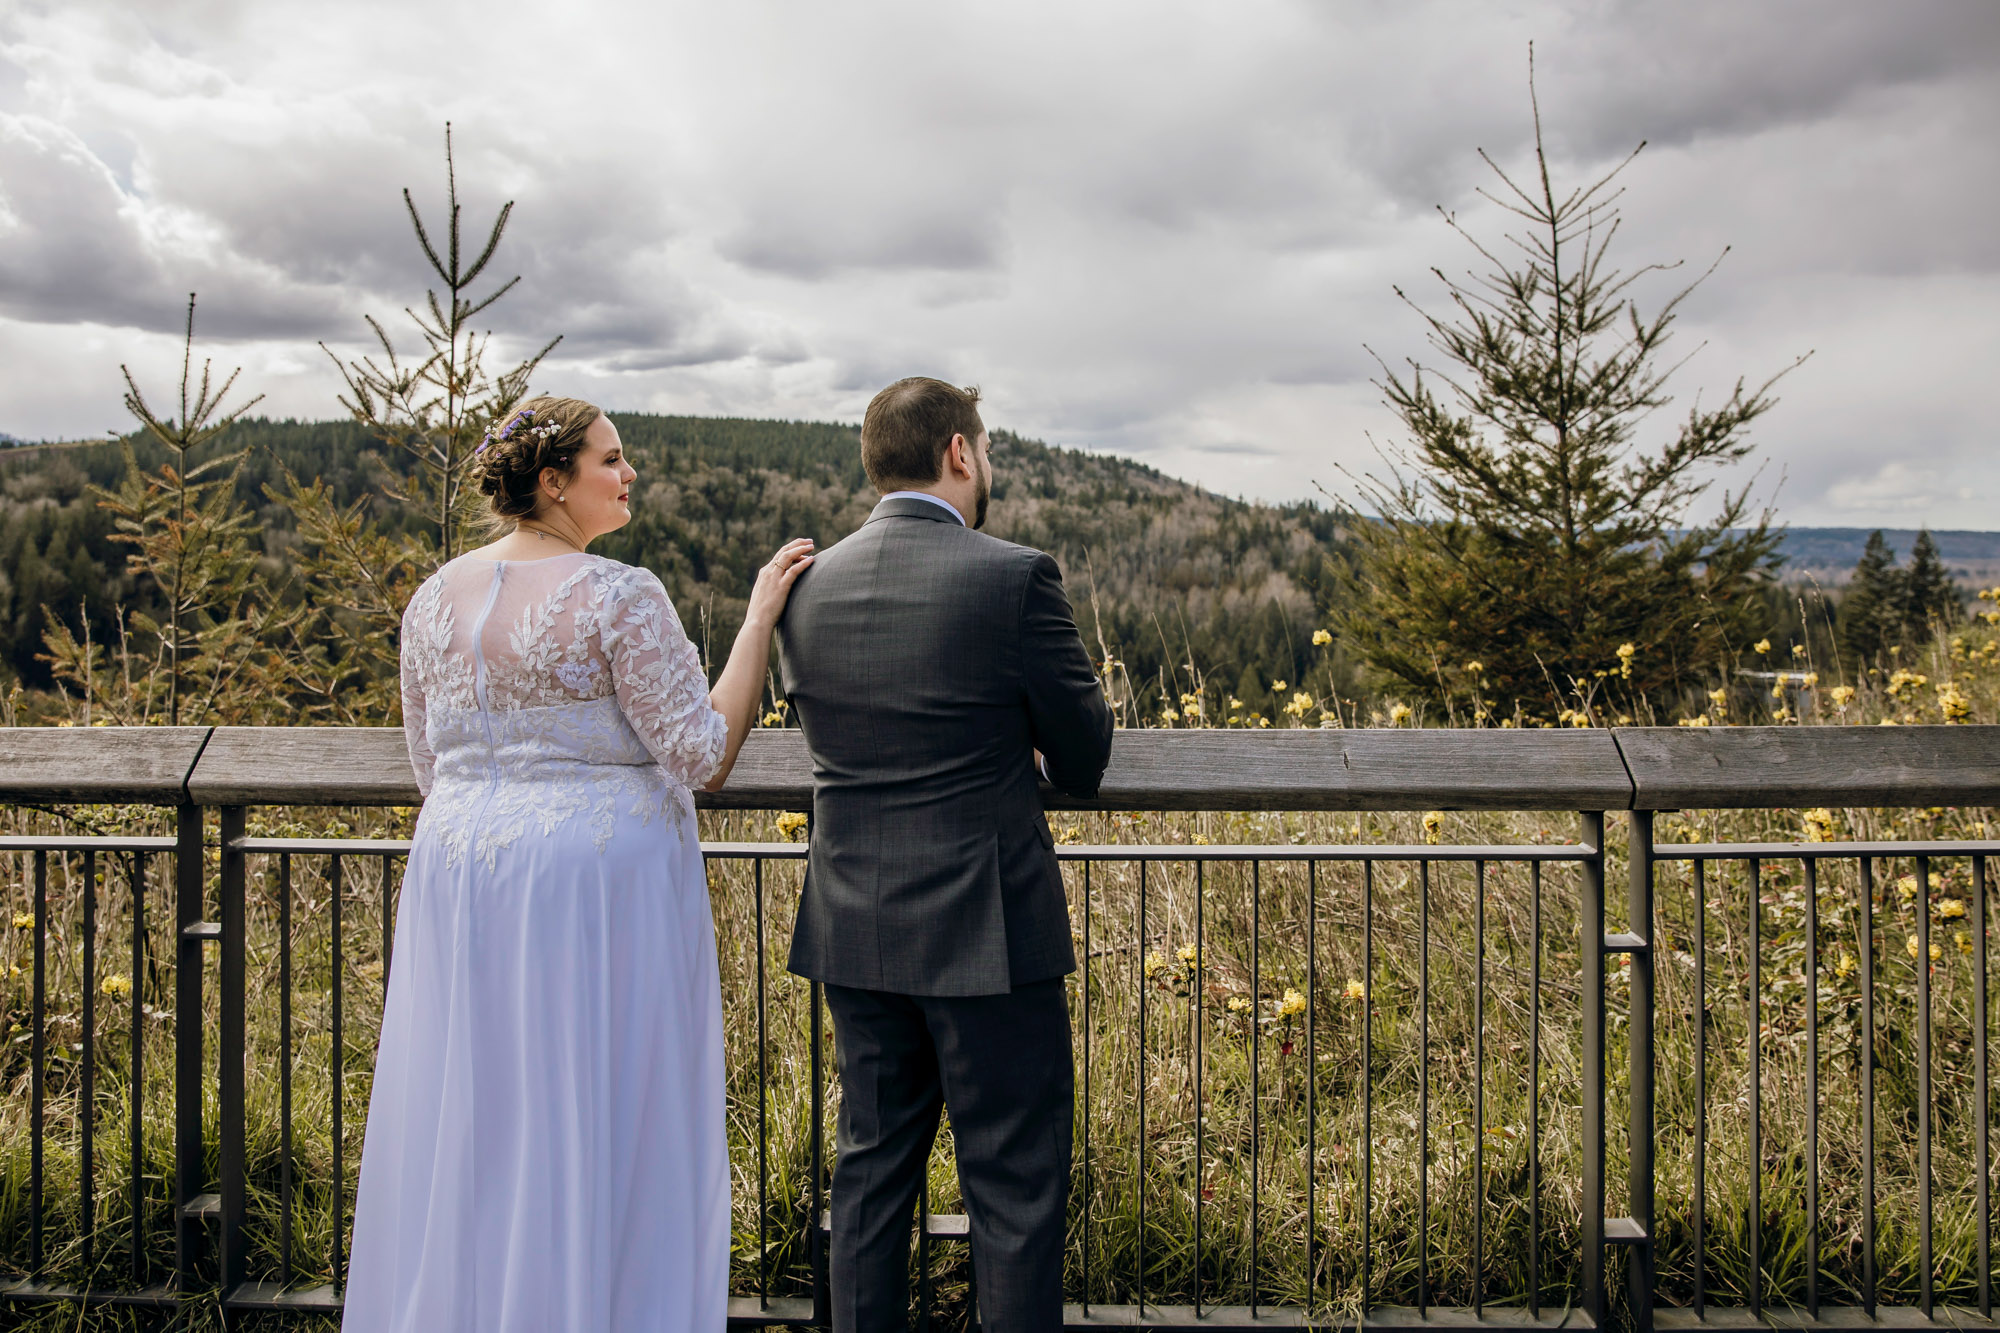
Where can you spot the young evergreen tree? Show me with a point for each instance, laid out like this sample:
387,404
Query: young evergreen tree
191,539
1930,598
1525,528
1872,613
438,407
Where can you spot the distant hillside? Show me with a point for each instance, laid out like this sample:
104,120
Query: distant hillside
1162,573
1828,555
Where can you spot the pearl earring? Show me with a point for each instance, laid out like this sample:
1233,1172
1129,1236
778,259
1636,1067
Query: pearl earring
562,499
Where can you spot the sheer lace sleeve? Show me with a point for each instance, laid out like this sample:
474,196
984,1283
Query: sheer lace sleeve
658,678
414,713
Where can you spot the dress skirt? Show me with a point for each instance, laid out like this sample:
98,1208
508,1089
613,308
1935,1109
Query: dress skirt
546,1149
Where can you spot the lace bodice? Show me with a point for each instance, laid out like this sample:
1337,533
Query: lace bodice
540,691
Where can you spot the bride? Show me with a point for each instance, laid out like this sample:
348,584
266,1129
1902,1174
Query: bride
545,1145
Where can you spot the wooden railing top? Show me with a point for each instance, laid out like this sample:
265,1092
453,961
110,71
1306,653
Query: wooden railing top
1713,768
1653,768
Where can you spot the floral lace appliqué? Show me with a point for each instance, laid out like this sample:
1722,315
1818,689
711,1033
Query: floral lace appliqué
590,705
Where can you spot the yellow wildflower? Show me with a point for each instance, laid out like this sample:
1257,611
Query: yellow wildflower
1154,965
1906,887
1910,946
1842,695
1299,704
1952,703
771,719
1240,1004
1187,955
790,823
1278,687
1321,638
1798,650
1356,991
24,920
1200,840
1844,966
1810,680
1475,668
1777,689
1292,1004
1701,721
1937,952
1950,909
1718,701
1433,825
1964,942
1820,825
1761,646
117,985
1903,684
1169,716
1399,714
1626,652
1263,721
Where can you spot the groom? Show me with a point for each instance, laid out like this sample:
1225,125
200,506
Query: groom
927,664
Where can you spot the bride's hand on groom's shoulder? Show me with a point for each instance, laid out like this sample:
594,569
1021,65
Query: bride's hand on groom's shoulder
775,580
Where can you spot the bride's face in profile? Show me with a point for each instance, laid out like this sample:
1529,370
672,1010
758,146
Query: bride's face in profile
596,496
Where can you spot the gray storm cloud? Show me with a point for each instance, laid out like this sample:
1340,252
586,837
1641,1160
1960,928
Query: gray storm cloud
1162,229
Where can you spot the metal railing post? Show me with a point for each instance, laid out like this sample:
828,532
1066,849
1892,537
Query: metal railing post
1639,1272
229,1040
188,1157
1590,928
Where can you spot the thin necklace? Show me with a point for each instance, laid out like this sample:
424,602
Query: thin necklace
540,531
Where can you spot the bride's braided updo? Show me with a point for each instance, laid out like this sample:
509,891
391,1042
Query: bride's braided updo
542,432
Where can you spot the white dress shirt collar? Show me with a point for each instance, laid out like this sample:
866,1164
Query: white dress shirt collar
926,495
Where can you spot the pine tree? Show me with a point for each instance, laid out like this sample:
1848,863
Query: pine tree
1929,596
1872,611
1524,527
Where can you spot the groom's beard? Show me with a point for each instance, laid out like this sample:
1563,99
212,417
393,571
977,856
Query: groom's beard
979,505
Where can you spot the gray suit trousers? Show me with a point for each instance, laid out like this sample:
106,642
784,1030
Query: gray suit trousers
1000,1064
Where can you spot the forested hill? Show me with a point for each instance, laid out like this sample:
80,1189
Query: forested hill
1162,573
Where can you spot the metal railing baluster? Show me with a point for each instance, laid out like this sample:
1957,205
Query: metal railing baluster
1535,1096
1755,1165
1701,1090
136,1125
1809,869
1981,1088
1641,978
1256,1070
1200,1052
337,1064
1868,1237
86,1102
1090,1106
285,1068
1139,963
763,1102
230,971
1924,1109
1367,1081
1312,1082
1479,1091
1590,913
1424,1087
37,1063
189,1149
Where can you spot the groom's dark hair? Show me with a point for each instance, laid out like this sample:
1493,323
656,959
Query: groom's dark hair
909,426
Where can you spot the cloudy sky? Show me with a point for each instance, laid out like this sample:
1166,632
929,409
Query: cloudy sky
1164,229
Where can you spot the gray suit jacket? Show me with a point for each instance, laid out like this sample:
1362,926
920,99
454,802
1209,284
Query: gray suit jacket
926,662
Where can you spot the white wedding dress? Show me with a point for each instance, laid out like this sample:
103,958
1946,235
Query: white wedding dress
545,1149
